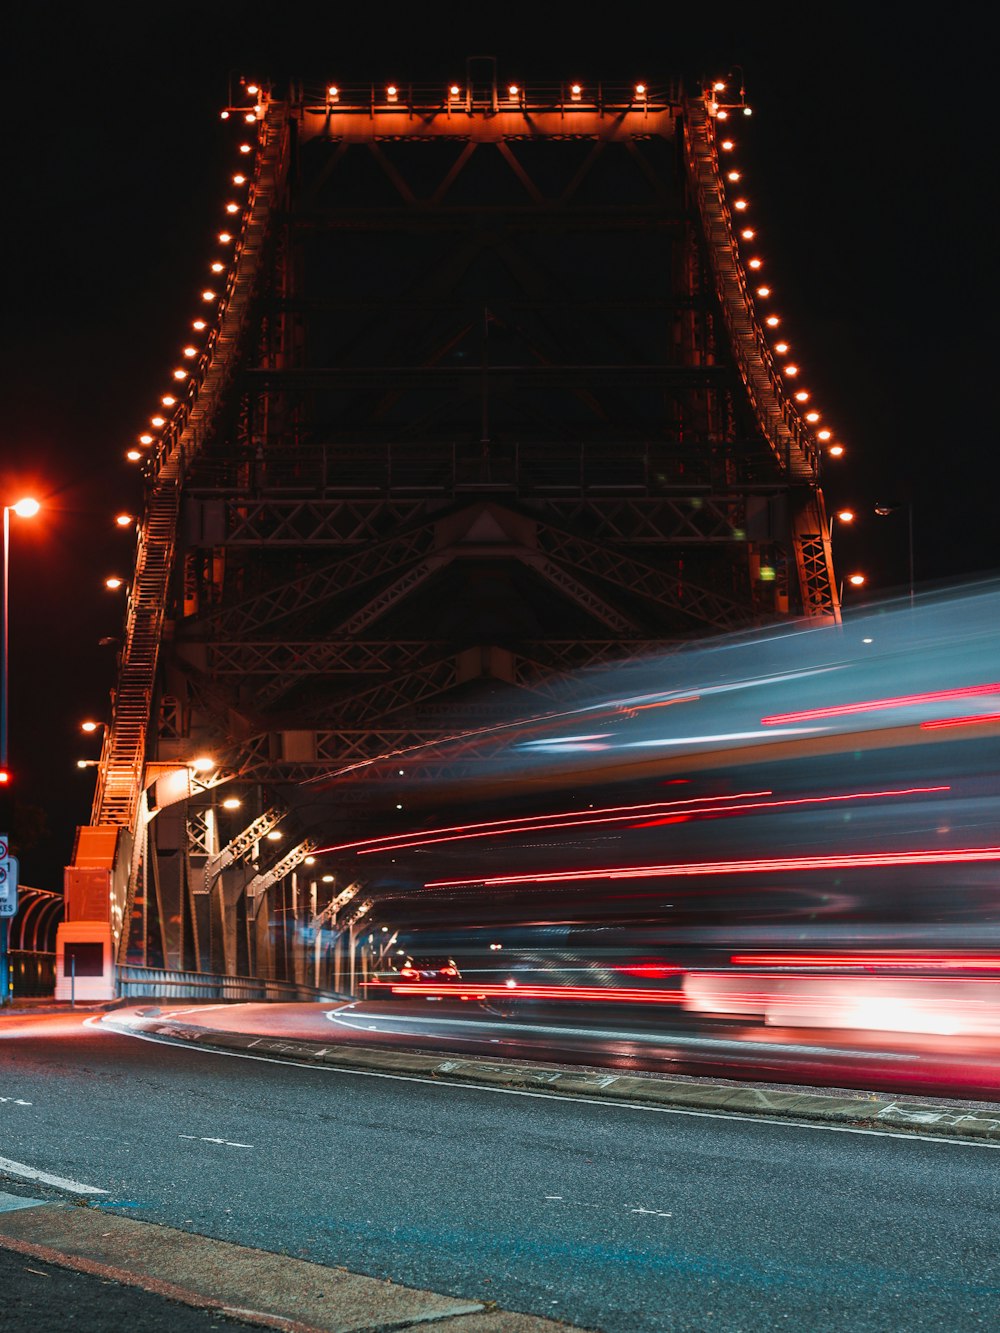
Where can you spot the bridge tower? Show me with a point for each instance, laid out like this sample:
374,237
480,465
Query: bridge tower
484,393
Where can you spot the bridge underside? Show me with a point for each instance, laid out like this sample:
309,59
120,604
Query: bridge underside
488,423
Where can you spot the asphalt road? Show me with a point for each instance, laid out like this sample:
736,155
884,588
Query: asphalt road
611,1217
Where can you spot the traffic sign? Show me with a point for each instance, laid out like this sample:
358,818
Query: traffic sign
8,880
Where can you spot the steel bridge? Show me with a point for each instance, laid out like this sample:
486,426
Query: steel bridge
483,393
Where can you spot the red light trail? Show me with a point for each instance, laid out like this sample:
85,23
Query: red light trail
873,705
776,865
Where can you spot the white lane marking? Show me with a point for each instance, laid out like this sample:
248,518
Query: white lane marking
226,1143
45,1178
16,1101
553,1196
576,1100
650,1212
643,1038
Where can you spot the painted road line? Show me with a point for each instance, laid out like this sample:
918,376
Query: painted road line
46,1178
9,1203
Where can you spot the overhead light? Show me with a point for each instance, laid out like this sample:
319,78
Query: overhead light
246,148
273,836
740,205
640,90
208,294
124,520
146,439
575,91
199,324
836,451
133,455
157,421
792,370
802,396
168,400
203,763
218,266
239,179
824,435
763,291
333,92
812,417
232,208
856,580
189,351
772,321
727,145
231,803
180,374
392,92
113,582
748,233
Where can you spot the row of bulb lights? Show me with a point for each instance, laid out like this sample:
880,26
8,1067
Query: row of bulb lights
209,295
514,92
763,291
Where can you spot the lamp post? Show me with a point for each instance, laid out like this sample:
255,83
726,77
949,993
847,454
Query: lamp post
883,511
26,508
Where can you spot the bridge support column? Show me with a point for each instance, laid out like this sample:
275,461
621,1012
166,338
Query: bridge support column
95,887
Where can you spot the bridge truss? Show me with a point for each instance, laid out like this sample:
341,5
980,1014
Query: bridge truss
486,399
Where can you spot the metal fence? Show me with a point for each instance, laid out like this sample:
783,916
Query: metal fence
164,984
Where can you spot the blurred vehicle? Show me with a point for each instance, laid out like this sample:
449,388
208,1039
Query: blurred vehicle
429,971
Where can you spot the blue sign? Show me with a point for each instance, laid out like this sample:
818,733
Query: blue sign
8,880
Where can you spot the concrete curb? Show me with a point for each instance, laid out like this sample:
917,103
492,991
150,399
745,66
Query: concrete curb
864,1111
253,1286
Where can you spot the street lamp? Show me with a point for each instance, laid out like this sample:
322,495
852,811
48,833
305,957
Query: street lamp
883,511
26,508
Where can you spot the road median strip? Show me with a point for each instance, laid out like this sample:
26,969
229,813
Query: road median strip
861,1111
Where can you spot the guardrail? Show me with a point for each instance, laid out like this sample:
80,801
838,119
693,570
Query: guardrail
166,984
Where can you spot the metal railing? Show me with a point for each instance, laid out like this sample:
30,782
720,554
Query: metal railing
166,984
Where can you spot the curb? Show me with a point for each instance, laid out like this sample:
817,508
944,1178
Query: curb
864,1111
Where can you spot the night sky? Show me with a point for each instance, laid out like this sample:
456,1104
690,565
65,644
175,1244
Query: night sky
868,161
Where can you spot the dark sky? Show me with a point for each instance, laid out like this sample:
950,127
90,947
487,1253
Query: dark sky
868,161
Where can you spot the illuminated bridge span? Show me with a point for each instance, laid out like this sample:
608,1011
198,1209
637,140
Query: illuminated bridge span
481,395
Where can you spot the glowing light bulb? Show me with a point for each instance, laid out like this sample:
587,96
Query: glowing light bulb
233,803
252,89
113,583
223,115
513,90
157,421
723,115
576,89
856,580
802,396
333,92
146,439
748,110
218,267
190,351
733,175
133,455
199,324
846,515
168,400
640,90
772,321
454,90
239,179
232,208
208,294
718,87
836,451
249,118
812,417
225,237
727,145
392,92
763,291
203,763
791,370
740,205
824,435
755,263
748,233
180,374
781,348
246,148
124,520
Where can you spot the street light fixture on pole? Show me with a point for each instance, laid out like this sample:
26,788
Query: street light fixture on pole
26,508
883,510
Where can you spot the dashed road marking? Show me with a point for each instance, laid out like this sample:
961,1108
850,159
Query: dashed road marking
225,1143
